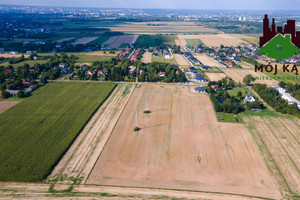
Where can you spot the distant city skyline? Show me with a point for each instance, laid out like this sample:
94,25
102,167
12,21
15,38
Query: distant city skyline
167,4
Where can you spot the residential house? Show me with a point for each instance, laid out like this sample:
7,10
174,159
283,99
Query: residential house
249,98
200,89
62,65
214,87
161,74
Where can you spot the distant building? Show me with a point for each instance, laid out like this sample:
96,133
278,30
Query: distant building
205,67
200,89
214,87
199,78
62,65
161,74
249,98
287,96
13,93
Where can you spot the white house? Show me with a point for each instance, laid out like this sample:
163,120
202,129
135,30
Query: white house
249,98
62,65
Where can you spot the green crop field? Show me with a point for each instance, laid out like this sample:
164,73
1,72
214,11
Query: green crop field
155,40
193,42
35,133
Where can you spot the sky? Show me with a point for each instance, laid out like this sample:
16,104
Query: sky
168,4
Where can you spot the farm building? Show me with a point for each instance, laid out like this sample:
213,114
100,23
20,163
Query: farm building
249,98
200,89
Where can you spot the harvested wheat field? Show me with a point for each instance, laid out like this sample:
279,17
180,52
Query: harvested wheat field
181,60
215,40
4,105
181,146
84,40
147,57
117,41
279,138
215,76
7,55
206,60
238,74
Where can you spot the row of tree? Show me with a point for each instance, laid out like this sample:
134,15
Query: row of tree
271,96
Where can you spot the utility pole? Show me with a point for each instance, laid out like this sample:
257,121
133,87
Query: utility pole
136,125
146,109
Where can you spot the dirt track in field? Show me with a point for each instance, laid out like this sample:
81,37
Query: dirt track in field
181,128
281,140
4,105
238,75
147,57
81,157
206,60
181,60
215,76
40,191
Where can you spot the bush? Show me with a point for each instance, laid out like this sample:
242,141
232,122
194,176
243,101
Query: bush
21,94
4,94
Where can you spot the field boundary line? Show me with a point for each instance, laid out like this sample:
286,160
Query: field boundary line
87,177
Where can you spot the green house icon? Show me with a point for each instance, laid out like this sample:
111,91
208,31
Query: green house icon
279,47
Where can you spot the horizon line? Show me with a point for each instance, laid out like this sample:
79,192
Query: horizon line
146,8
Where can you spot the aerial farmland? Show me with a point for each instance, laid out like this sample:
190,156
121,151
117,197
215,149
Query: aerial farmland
143,103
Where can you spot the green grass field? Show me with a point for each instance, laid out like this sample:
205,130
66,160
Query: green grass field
84,57
235,90
193,42
29,62
35,133
229,117
161,59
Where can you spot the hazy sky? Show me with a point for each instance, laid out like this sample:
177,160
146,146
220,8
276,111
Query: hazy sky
184,4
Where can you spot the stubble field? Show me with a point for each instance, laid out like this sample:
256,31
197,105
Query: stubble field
279,141
238,74
206,60
215,76
181,60
4,105
213,40
181,146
